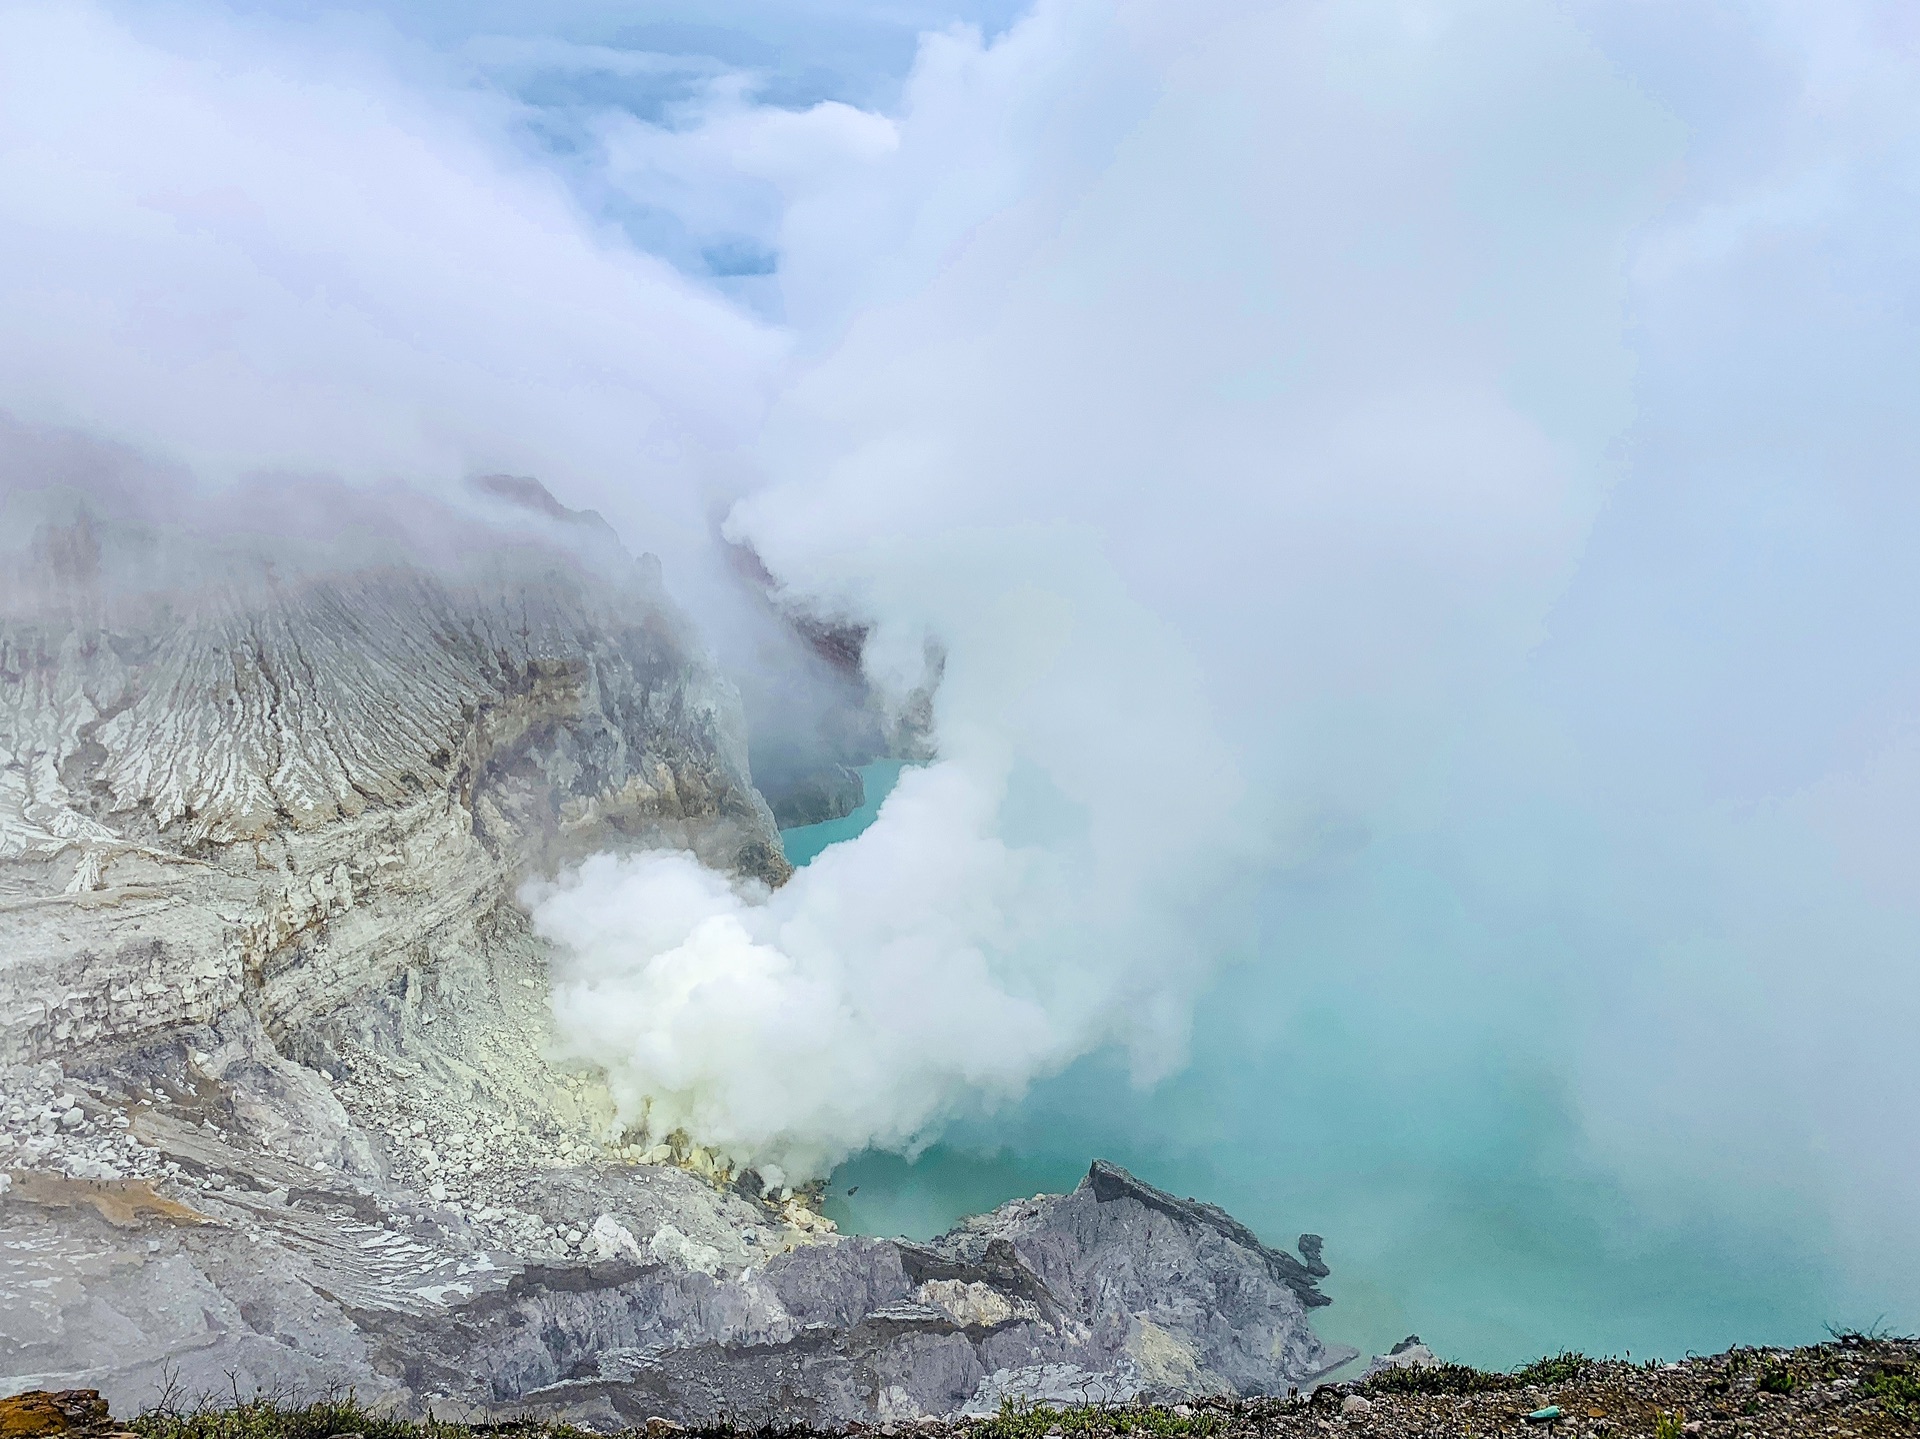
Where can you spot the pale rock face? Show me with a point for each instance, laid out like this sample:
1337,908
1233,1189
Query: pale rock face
613,1240
275,791
974,1303
670,1246
275,1101
1409,1353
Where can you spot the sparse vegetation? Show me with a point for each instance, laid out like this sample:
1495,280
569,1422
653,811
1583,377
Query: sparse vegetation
1548,1370
1864,1383
1551,1369
1439,1379
1878,1332
1898,1391
1084,1421
277,1416
262,1417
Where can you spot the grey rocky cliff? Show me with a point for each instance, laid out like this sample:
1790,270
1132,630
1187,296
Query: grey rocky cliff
278,1101
683,1301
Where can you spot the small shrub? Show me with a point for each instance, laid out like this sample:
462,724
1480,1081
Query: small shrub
1085,1421
1551,1369
1878,1332
1898,1391
1776,1379
1669,1426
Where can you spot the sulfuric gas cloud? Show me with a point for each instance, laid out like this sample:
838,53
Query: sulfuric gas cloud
1413,501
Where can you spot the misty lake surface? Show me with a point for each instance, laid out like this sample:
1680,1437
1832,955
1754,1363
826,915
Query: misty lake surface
1450,1202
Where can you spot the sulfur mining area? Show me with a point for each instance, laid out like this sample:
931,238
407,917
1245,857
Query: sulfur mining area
280,1107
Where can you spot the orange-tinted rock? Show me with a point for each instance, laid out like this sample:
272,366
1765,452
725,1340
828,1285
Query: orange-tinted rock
62,1412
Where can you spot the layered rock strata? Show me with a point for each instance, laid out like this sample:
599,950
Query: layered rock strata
279,1101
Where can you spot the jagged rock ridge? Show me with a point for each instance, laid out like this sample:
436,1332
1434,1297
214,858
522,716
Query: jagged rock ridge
688,1303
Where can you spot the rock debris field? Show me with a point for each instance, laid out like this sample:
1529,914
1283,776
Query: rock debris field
1854,1387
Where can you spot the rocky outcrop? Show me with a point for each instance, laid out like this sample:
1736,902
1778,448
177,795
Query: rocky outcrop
1409,1353
684,1302
813,795
279,1103
66,1412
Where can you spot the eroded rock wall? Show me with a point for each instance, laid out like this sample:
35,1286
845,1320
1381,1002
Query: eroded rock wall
284,792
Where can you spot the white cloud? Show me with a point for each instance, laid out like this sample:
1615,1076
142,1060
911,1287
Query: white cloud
245,256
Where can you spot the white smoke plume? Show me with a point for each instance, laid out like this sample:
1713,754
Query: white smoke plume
1298,423
1034,892
1139,446
791,1029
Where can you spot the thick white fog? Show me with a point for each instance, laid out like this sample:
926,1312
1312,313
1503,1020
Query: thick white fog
1415,500
250,251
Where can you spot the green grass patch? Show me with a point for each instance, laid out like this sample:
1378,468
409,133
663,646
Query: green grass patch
1082,1421
1898,1391
1552,1369
262,1417
1438,1379
1549,1370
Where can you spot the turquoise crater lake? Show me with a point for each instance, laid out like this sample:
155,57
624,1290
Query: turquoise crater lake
804,841
1453,1202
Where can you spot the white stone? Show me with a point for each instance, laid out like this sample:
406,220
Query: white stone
613,1240
670,1246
